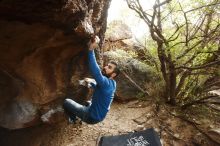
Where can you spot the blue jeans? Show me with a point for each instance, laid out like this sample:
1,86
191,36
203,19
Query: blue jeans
74,109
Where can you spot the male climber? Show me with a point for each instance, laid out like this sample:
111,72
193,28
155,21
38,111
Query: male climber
103,93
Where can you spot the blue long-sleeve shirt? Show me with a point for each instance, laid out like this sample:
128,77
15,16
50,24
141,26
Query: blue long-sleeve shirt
103,91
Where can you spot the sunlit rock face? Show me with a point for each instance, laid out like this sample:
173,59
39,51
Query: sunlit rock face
43,55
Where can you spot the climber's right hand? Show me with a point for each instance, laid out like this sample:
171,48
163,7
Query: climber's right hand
93,43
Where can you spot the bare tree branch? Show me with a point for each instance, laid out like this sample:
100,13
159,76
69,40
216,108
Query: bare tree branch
177,29
200,67
198,27
161,4
210,34
186,24
195,55
171,11
217,3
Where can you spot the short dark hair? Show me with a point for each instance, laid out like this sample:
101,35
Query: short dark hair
116,70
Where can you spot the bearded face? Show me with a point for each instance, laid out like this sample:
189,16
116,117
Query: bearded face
108,70
105,74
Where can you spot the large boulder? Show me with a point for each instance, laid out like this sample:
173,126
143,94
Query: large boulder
43,54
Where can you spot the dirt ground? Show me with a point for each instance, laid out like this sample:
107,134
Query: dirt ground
122,118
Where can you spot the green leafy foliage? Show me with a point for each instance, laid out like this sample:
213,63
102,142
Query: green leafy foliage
184,42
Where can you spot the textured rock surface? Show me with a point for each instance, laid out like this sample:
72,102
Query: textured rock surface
42,45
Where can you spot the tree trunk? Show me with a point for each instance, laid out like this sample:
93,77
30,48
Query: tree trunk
172,80
161,56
